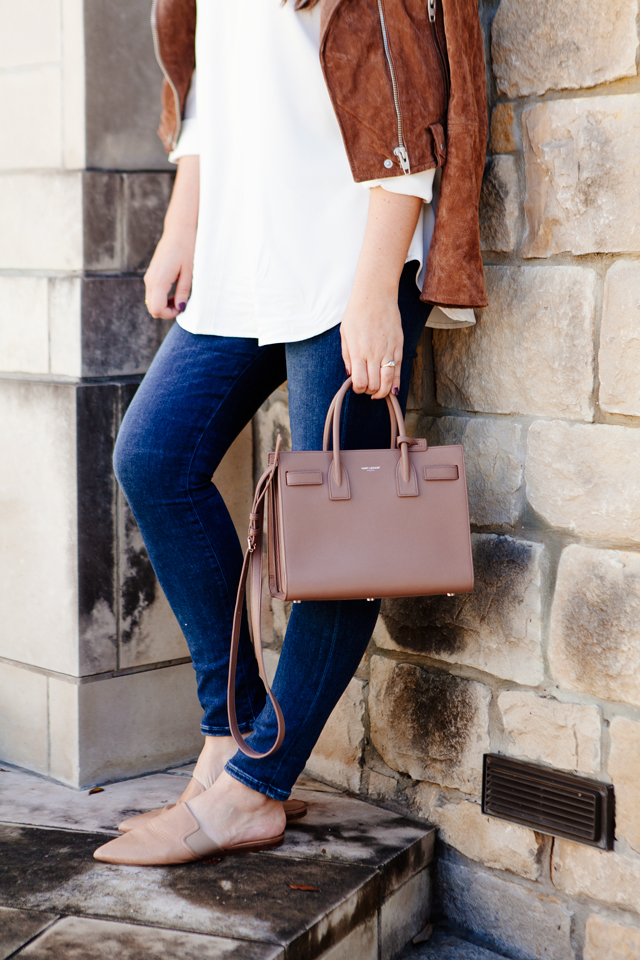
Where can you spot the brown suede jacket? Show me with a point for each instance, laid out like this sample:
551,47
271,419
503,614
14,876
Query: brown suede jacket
407,82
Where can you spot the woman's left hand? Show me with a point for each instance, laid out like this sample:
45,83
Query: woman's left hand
372,336
371,330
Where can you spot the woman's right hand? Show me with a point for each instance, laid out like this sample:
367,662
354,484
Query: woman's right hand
172,261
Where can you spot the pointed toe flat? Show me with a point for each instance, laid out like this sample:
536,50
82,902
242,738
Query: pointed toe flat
193,789
294,809
172,837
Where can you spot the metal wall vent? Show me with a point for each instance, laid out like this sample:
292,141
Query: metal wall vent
560,804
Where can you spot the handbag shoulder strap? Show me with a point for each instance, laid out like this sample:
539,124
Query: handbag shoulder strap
252,572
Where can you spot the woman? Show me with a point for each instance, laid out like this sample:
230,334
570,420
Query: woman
296,238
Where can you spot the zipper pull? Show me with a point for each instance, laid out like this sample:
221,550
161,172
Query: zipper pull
432,11
403,157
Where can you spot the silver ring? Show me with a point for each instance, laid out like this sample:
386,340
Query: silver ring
391,363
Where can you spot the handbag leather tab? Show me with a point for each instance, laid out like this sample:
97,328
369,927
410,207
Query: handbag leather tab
303,478
441,471
406,488
342,492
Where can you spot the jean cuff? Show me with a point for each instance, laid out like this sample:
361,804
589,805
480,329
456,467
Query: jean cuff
225,731
265,788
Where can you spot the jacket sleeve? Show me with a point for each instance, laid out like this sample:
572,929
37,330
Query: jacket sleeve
454,274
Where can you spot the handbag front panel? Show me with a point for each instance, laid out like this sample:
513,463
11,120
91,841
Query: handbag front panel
375,543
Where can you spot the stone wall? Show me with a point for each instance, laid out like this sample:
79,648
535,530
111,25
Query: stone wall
95,678
542,661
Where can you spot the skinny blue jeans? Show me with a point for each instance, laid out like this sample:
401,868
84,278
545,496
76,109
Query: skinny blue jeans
198,395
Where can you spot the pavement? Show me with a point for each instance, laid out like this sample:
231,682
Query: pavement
351,882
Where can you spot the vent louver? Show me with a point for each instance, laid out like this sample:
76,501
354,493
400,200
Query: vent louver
560,804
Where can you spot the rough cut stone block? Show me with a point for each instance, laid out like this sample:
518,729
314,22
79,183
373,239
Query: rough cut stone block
118,335
271,419
499,205
102,220
30,109
497,844
624,769
18,927
337,756
360,944
581,166
382,787
581,871
496,628
149,632
403,915
594,643
619,357
615,941
30,33
122,88
123,726
564,735
65,326
146,197
532,349
421,383
562,46
502,132
23,718
24,325
75,936
45,213
96,425
38,546
234,480
517,921
585,478
433,726
494,464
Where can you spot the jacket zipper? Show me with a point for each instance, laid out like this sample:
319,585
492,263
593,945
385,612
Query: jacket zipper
400,151
432,21
176,96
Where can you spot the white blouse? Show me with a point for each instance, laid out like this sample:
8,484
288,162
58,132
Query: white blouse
281,221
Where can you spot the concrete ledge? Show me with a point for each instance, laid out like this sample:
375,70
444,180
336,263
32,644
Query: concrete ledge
370,868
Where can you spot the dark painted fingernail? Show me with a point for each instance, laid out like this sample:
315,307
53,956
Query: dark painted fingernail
395,391
182,307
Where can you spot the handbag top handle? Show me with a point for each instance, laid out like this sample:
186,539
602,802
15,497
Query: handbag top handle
398,431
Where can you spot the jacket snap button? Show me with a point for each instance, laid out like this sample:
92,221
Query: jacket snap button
388,164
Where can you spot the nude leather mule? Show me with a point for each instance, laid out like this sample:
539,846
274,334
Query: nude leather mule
294,809
172,837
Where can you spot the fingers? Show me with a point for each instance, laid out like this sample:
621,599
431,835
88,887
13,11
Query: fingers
183,289
389,377
158,302
345,354
374,375
360,375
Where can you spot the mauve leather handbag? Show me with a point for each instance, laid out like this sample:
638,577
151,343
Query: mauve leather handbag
354,524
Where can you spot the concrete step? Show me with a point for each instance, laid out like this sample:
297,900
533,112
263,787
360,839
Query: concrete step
445,946
368,867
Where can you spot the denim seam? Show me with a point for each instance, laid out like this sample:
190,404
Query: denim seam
203,530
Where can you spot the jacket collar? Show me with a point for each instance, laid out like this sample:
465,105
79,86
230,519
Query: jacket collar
327,10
